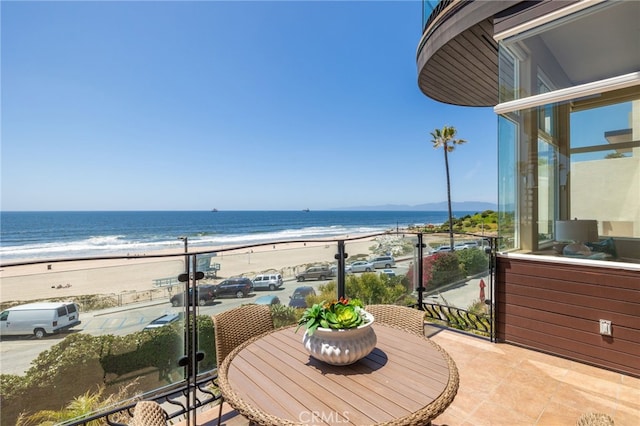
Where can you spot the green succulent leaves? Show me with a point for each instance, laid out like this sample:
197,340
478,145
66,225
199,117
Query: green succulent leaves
337,314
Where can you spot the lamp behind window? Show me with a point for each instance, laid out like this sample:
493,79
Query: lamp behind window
576,233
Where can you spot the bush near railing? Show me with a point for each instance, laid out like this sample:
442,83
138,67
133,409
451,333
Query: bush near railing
473,261
369,287
284,315
140,361
81,362
445,268
440,269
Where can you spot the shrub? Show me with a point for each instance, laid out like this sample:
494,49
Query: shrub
283,315
445,269
369,287
439,269
473,261
82,361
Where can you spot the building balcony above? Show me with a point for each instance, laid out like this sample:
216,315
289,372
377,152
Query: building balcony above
457,57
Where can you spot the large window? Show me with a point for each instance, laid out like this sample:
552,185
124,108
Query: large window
605,165
570,129
588,167
571,50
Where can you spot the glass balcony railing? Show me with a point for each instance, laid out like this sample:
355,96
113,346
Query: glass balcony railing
142,326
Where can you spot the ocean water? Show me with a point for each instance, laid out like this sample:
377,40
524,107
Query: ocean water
52,235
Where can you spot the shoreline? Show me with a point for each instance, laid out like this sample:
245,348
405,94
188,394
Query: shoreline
72,278
115,277
32,236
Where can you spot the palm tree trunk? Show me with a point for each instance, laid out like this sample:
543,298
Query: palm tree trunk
446,165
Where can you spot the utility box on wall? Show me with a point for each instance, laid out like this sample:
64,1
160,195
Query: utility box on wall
605,327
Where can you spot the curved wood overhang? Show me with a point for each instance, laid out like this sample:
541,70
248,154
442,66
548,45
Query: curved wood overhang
458,58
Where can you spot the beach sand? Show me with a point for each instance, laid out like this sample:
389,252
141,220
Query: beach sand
67,280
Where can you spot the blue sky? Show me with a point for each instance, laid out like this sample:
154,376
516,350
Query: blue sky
233,105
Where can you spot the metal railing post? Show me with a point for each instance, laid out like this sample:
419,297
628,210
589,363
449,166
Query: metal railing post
193,344
340,257
421,287
493,248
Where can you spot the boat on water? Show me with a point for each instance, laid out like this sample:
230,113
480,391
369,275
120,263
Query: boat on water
214,210
305,210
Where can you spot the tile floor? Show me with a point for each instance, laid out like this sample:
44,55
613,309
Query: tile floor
502,384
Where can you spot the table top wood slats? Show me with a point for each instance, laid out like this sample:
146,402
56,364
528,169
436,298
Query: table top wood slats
273,380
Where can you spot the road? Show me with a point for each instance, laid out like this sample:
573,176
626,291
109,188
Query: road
16,353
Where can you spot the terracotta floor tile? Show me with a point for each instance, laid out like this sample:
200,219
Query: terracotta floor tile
541,357
493,413
466,402
502,384
529,401
447,419
626,417
557,414
585,399
530,379
592,383
600,373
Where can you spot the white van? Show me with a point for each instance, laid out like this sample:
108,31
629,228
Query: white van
39,319
267,282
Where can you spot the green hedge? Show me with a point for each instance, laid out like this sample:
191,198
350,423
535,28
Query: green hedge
81,362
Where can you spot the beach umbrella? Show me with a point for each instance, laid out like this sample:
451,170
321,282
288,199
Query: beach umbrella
482,286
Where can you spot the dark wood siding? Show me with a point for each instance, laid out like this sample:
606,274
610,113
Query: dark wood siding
556,308
458,58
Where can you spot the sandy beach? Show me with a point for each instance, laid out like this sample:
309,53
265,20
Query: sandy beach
140,274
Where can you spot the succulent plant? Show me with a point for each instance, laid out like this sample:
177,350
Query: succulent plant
337,314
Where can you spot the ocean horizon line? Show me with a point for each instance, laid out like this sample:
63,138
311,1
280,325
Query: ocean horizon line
216,210
33,235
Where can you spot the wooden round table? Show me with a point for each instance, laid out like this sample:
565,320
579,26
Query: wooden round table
406,380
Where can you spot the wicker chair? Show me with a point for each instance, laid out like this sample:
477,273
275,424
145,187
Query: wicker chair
236,326
148,413
403,317
595,419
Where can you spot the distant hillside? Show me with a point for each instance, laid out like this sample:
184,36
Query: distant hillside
472,206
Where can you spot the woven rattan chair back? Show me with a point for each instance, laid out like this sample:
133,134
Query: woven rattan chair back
403,317
148,413
237,325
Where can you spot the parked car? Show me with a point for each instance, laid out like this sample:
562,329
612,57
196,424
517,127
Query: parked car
383,262
333,270
297,299
268,299
389,272
205,293
237,287
39,319
269,282
442,249
361,266
165,319
314,272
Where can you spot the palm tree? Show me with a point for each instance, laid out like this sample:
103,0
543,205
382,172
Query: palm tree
445,139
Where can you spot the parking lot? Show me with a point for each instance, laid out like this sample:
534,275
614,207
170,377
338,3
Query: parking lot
17,352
